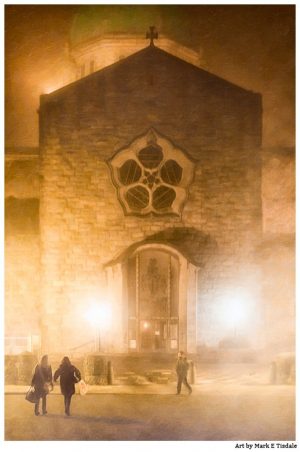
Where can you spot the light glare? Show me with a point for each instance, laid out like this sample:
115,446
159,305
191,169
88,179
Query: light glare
99,315
235,310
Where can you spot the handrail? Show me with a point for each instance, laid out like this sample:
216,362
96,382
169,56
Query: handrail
81,345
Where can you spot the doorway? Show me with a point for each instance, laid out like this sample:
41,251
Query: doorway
153,297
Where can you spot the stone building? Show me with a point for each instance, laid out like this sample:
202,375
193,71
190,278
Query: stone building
144,207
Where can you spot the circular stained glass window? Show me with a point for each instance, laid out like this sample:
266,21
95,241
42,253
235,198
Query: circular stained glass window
171,172
163,197
152,175
137,197
129,172
151,156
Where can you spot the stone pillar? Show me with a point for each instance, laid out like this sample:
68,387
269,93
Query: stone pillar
182,308
191,308
115,291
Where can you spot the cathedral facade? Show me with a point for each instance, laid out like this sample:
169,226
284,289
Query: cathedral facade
150,201
149,225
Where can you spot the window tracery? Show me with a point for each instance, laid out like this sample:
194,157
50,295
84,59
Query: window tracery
152,175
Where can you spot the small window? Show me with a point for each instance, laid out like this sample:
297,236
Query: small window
171,172
137,197
129,172
163,197
151,156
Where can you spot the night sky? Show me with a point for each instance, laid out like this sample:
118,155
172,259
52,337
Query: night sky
252,46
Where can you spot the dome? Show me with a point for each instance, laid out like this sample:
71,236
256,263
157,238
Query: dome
93,21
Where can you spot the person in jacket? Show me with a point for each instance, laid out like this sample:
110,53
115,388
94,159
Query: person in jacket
42,382
69,375
182,367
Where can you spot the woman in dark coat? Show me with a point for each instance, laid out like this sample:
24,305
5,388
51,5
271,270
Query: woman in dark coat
41,380
69,375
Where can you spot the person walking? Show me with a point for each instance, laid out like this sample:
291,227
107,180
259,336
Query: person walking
42,382
69,375
182,367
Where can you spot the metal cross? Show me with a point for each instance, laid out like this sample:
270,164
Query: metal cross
152,34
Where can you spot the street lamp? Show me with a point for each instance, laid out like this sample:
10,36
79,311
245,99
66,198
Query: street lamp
99,316
235,311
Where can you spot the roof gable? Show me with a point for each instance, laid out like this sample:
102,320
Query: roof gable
154,56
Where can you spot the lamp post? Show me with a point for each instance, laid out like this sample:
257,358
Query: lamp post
99,340
99,316
235,313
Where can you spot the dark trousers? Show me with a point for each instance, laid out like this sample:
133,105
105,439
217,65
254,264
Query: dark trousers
182,379
67,403
37,405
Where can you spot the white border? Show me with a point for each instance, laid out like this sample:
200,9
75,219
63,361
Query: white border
134,446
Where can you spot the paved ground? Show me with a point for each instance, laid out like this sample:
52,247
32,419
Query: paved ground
212,412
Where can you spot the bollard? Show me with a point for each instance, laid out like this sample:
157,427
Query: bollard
109,373
95,369
273,373
192,373
292,375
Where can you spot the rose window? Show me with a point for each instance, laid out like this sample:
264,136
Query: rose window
152,175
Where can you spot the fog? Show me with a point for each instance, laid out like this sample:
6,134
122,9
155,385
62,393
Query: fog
252,46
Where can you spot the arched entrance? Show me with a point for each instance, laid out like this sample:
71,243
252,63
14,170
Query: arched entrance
153,290
153,300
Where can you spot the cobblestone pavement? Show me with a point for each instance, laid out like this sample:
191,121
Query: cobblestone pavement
213,412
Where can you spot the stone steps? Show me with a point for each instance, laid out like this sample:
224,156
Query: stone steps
163,376
130,378
154,376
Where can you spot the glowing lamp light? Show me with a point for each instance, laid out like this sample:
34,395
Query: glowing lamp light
99,315
145,325
235,310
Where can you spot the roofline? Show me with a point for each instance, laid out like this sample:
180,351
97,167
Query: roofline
210,74
106,69
108,36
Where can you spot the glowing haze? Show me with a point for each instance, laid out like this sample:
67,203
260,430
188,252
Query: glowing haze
252,46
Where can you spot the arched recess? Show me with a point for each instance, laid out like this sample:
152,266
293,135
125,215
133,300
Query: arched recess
153,293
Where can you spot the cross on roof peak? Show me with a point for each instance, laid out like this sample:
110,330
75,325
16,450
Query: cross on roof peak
152,34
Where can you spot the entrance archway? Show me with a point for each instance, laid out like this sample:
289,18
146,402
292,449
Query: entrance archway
153,300
153,290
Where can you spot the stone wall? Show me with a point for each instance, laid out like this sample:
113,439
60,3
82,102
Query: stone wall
278,288
22,248
82,223
277,251
278,191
